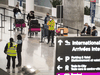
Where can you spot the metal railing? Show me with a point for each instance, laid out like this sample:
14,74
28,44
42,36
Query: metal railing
24,14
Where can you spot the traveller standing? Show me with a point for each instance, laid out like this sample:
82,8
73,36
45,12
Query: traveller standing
10,50
19,50
47,18
51,24
30,16
16,10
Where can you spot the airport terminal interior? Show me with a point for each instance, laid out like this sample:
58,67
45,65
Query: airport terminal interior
36,53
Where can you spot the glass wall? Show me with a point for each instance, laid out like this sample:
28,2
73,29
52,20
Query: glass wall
45,3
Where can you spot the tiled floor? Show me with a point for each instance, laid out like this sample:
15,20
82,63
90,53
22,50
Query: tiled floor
38,55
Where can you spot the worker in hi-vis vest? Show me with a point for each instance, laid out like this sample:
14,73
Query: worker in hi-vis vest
10,50
51,25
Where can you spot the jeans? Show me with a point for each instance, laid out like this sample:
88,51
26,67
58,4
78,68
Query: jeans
52,35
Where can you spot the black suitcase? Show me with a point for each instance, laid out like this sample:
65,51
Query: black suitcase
35,26
33,22
19,21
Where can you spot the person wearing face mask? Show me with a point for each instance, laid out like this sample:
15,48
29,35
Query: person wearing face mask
94,31
45,31
16,10
30,15
51,24
47,18
86,30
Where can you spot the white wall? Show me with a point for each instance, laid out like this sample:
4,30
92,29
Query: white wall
12,3
29,5
86,3
87,19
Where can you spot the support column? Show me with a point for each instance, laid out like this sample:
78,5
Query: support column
29,5
73,14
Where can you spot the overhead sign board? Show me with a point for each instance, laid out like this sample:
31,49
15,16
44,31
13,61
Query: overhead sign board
77,54
92,0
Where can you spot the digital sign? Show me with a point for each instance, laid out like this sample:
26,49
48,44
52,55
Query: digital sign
77,55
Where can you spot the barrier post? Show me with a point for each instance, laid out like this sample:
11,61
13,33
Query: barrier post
1,22
24,16
11,24
21,28
4,14
77,32
41,36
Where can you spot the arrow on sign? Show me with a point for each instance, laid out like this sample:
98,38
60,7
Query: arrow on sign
59,58
60,42
59,67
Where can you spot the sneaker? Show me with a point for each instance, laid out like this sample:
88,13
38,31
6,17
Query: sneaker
17,65
47,43
52,43
7,68
14,29
13,71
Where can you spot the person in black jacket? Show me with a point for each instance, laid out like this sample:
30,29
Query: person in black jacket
19,50
94,32
30,15
9,57
16,10
86,30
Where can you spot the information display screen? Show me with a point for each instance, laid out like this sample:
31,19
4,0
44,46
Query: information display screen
77,55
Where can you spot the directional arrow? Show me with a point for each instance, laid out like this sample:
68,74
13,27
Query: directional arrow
60,42
59,58
59,67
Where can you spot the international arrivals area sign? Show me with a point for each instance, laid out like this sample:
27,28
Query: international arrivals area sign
77,56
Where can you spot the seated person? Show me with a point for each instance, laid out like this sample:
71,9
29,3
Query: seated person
86,30
94,31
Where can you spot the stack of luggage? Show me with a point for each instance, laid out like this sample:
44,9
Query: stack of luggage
19,23
34,26
61,31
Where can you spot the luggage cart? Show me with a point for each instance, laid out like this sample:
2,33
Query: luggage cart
34,27
19,23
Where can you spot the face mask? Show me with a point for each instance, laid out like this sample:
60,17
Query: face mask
17,7
50,19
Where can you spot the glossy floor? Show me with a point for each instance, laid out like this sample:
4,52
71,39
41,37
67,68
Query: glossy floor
39,55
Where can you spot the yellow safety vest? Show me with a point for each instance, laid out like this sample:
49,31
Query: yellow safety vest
12,50
51,25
